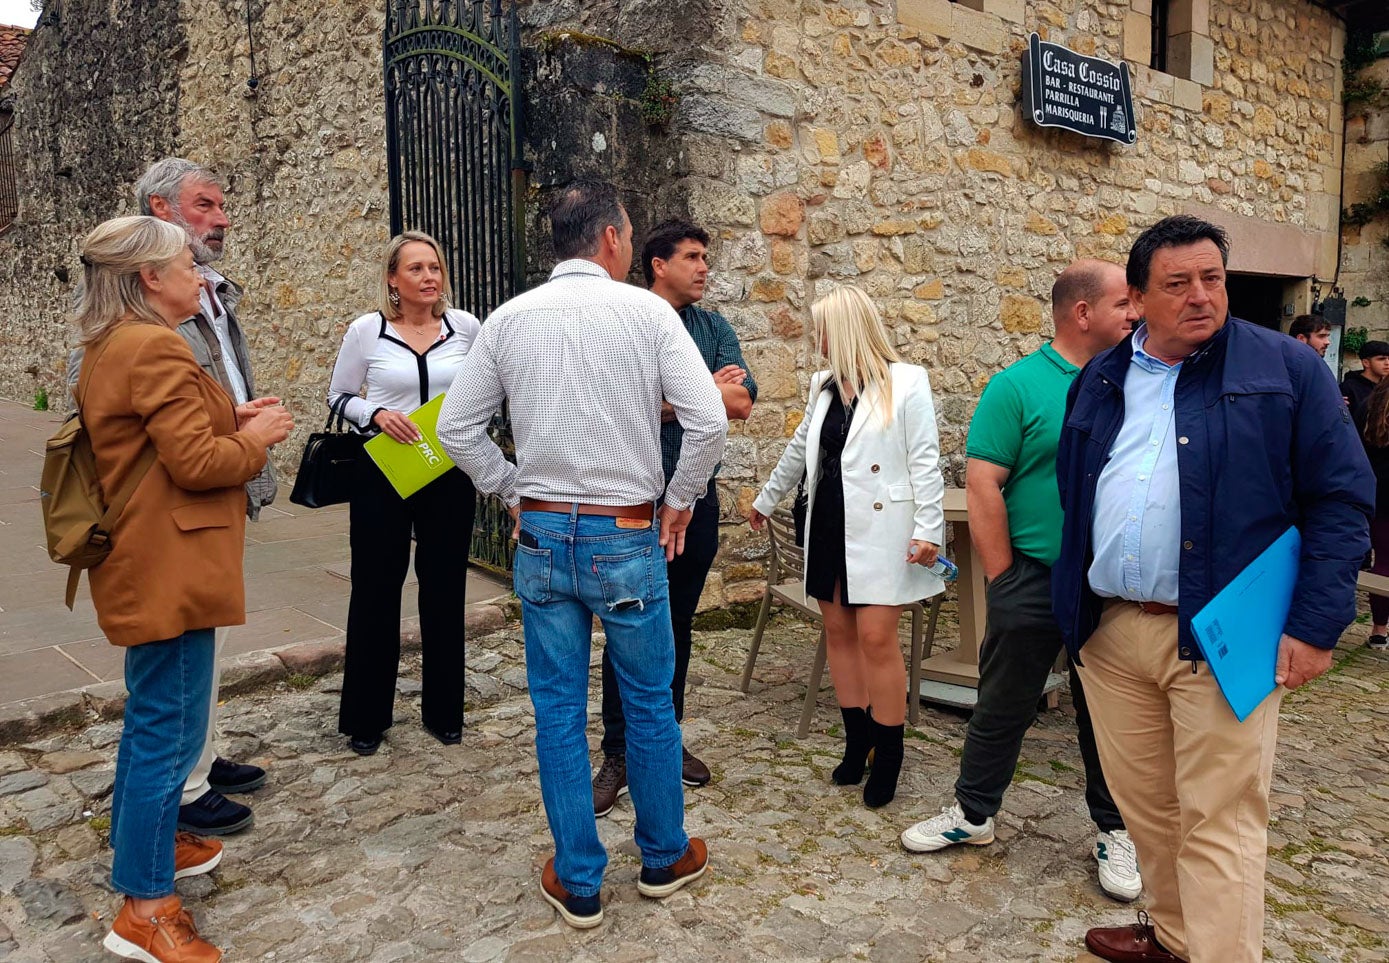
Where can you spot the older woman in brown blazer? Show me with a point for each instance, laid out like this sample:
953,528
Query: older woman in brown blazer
174,571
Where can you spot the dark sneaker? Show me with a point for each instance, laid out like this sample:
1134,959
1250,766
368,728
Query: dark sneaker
692,771
610,783
213,814
660,883
229,778
580,912
1377,642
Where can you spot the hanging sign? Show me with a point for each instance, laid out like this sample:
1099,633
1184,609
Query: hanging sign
1087,95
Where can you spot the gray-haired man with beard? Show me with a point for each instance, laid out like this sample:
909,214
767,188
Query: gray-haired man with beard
187,194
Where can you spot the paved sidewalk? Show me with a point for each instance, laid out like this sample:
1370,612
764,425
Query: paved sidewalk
427,853
297,584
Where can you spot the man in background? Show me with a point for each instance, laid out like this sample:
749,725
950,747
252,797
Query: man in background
675,260
1015,524
1313,331
1357,385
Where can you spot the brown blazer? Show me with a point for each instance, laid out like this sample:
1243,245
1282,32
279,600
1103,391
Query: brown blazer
175,562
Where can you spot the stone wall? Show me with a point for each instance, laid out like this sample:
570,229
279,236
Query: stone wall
881,143
873,141
304,161
88,112
1364,253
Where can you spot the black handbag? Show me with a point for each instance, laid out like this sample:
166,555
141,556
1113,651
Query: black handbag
329,465
798,509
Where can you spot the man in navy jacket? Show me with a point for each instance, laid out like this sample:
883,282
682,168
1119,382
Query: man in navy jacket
1186,451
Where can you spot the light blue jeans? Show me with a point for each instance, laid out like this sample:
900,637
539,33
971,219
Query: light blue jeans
170,685
567,569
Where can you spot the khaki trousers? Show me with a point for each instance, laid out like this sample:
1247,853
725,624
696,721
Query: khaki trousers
1191,781
197,785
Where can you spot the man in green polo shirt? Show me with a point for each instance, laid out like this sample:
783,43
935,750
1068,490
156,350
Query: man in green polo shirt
1015,523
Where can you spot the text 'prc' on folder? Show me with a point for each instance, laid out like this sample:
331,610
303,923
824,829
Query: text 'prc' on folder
409,467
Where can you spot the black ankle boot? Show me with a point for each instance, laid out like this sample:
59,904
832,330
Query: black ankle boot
887,764
858,741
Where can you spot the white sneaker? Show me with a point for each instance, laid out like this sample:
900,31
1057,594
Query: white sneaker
1117,861
947,829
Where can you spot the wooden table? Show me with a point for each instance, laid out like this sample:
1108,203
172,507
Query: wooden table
961,666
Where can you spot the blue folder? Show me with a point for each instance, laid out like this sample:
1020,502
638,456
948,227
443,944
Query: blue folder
1239,630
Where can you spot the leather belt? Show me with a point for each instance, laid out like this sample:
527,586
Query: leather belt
646,510
1157,608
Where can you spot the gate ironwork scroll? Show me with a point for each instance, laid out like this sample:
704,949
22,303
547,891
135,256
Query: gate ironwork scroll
9,195
454,128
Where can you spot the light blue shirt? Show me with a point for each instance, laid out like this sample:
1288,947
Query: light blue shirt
1137,527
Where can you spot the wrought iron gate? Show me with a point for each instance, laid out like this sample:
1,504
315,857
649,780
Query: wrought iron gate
453,145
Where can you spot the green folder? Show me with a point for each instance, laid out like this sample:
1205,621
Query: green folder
411,467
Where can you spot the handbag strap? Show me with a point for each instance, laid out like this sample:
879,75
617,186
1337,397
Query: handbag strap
338,408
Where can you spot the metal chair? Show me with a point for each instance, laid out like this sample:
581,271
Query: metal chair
786,584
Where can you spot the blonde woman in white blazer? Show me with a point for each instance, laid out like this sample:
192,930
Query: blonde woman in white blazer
875,522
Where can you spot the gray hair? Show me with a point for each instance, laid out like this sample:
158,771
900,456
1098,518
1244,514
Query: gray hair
112,256
165,178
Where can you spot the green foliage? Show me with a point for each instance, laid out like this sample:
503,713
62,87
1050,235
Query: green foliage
41,399
1361,301
658,100
1360,91
1354,339
1357,90
1360,52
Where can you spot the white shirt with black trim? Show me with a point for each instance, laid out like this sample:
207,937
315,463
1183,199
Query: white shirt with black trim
375,356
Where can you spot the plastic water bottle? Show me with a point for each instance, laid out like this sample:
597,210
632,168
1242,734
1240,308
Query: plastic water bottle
944,568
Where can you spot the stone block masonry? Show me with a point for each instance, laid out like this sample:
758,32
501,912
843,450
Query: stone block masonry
877,142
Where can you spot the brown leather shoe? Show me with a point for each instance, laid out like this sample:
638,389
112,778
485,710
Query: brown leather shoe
1135,943
194,856
609,783
580,912
166,936
660,883
692,771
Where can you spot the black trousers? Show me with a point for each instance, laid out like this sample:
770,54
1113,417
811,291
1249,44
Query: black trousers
1021,643
441,517
686,574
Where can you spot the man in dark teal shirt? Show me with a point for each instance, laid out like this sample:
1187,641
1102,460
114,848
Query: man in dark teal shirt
675,262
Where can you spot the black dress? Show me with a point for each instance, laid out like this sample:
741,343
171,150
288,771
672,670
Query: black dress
825,541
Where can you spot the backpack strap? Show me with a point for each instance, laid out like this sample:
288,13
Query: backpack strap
112,513
74,578
116,506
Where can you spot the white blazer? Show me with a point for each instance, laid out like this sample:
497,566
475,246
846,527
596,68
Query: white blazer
893,489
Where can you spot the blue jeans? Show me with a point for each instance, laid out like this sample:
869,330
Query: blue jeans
567,569
169,683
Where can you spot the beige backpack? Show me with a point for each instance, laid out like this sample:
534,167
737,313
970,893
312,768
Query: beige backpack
76,516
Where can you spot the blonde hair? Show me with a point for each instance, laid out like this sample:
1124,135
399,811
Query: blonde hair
112,256
392,261
854,341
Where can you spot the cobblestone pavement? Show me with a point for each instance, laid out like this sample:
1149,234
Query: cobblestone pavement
426,853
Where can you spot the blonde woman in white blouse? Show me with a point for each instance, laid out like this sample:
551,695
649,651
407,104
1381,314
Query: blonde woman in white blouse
392,361
869,449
